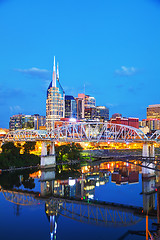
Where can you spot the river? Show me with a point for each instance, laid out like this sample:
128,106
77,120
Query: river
104,201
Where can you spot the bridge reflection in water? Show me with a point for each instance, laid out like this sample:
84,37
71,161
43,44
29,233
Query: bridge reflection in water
86,210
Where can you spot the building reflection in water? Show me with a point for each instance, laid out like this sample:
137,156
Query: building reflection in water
91,177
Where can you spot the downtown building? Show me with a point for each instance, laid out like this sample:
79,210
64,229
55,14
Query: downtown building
22,121
131,121
152,122
70,107
87,107
153,111
102,113
55,103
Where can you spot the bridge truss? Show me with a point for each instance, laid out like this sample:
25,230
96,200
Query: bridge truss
82,211
81,132
21,198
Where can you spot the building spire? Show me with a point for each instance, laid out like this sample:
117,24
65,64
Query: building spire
54,74
54,65
57,71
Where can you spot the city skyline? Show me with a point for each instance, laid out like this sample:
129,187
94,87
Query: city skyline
111,48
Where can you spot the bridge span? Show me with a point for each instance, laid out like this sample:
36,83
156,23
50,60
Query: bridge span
83,132
95,212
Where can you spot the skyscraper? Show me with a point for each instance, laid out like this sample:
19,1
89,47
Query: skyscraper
153,111
102,113
88,106
70,107
55,103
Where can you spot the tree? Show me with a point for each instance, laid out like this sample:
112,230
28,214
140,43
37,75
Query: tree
61,151
29,146
68,151
75,151
9,147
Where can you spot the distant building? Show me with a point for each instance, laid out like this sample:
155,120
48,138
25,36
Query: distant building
89,102
55,103
80,108
22,121
39,122
116,115
145,130
151,124
88,107
102,113
133,122
15,122
70,107
153,111
90,113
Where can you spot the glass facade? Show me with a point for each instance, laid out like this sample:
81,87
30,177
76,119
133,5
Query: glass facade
102,113
15,122
55,102
89,102
22,121
80,107
70,107
153,111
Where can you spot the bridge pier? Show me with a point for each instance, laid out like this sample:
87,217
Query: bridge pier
48,159
148,191
148,152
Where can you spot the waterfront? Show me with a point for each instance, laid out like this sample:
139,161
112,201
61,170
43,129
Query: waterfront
105,201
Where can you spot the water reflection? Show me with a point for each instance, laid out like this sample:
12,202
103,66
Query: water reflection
72,194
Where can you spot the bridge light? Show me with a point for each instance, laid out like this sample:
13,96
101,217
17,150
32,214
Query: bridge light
72,119
84,197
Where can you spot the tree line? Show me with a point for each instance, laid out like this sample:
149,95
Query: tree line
11,157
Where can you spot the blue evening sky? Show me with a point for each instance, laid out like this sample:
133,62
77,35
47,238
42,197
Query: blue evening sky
111,47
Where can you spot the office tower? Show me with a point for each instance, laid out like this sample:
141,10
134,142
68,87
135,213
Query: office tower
80,110
22,121
133,122
153,111
88,106
55,106
116,115
39,122
102,113
70,107
89,102
15,122
90,113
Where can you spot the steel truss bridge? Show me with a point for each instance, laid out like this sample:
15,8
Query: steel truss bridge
100,213
81,132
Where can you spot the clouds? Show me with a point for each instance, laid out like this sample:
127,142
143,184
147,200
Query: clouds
35,73
16,108
126,71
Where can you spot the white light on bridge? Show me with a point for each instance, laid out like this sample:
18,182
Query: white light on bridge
72,119
71,182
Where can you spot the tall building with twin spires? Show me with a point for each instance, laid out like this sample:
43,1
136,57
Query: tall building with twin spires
55,103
